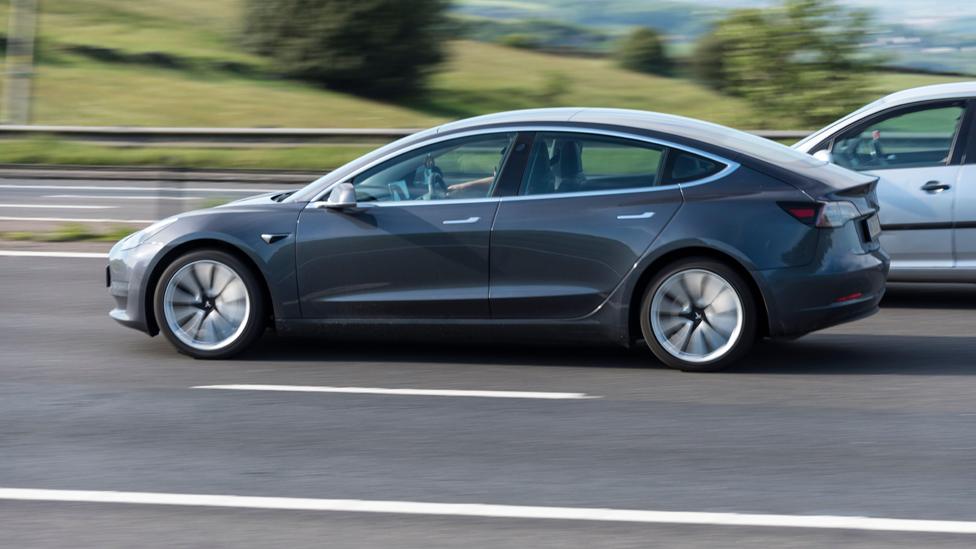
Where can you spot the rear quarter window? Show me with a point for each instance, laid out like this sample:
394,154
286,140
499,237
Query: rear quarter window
684,167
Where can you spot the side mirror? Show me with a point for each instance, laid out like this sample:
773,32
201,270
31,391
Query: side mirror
342,197
824,155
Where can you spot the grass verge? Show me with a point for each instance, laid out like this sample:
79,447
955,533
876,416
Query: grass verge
53,151
74,232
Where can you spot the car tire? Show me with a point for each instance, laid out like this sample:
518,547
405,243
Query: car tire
209,304
698,315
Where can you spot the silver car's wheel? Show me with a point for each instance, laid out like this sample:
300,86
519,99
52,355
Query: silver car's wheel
699,315
206,305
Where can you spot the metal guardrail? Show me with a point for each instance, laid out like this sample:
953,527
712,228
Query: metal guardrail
125,135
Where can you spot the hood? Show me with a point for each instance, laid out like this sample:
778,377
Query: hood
258,199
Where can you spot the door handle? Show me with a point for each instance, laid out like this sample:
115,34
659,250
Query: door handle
935,187
462,221
645,215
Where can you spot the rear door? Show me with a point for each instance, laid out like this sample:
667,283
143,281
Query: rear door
913,151
588,207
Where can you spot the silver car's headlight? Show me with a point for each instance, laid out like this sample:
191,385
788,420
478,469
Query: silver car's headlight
140,237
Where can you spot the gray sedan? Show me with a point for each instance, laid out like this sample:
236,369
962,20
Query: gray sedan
571,225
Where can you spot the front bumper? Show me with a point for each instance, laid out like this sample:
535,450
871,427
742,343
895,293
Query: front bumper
128,271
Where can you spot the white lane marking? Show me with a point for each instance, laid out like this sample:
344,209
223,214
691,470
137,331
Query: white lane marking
115,197
29,253
410,392
79,219
174,188
58,206
498,511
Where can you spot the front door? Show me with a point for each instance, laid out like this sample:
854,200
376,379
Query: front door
416,245
911,150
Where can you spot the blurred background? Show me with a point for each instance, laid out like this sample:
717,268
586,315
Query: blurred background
405,64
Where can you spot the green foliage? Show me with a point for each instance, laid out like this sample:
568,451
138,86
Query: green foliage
383,48
554,88
517,40
801,60
643,51
532,34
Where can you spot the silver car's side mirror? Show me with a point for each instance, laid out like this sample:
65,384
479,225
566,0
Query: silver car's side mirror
342,197
824,155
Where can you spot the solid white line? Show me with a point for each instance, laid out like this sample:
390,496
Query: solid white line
58,206
79,219
113,197
27,253
410,392
154,189
498,511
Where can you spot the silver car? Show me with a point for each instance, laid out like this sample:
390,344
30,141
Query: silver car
922,144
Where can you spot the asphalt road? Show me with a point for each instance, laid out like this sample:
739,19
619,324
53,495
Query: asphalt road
875,418
127,202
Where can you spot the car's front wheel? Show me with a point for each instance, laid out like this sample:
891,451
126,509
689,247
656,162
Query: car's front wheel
699,315
209,305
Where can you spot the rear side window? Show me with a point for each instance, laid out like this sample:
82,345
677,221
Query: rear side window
685,166
571,162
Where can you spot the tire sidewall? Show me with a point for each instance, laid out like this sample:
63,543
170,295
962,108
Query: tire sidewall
254,324
747,335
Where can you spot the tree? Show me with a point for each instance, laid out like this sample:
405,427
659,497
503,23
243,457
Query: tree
382,48
801,61
643,51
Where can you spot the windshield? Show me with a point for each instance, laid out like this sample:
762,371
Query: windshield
315,188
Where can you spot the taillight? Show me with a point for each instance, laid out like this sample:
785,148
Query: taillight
822,214
836,214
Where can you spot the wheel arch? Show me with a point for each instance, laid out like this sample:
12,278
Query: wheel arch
659,262
189,246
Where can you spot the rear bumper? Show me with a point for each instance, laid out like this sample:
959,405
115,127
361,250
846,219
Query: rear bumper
842,288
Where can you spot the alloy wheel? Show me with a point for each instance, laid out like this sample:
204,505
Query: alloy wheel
696,315
206,305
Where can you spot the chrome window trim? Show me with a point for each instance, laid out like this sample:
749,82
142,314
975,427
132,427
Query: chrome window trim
730,166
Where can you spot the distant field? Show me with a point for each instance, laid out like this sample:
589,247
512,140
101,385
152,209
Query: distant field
214,82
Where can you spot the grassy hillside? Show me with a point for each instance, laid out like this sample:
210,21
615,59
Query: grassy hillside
205,78
179,63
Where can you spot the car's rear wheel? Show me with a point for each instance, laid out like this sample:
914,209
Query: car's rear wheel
699,315
209,304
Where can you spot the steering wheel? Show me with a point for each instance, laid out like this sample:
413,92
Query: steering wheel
433,178
876,153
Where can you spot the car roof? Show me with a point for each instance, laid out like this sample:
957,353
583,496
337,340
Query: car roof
934,92
669,124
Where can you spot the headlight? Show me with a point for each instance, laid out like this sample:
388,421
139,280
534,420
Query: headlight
140,237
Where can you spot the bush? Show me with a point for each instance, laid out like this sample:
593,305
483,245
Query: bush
381,48
643,51
800,61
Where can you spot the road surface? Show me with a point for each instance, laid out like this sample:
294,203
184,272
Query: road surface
872,419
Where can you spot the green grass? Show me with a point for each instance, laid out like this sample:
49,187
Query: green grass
70,233
48,151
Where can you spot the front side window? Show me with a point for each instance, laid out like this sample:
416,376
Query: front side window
456,169
570,162
913,139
